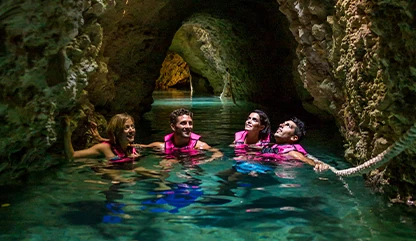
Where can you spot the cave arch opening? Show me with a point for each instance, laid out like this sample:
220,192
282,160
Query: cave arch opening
250,39
249,44
176,74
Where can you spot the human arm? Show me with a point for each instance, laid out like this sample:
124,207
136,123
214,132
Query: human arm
69,150
216,153
147,172
95,134
318,165
156,145
97,150
167,163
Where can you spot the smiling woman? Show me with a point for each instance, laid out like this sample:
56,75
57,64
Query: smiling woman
121,132
256,131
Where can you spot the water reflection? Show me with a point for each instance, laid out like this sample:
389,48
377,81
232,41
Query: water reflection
81,201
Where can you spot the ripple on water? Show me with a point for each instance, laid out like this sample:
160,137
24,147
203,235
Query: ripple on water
88,200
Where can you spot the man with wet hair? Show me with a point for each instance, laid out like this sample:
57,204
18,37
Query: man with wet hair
300,128
182,139
287,137
286,149
179,112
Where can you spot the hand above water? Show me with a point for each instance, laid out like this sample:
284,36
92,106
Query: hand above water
320,167
135,155
95,134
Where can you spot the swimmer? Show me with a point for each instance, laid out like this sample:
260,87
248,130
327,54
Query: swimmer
284,150
182,139
287,138
117,148
256,132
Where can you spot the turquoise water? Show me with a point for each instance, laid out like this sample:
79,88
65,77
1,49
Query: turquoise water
84,200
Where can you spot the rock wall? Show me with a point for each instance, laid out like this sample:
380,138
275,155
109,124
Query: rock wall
174,71
33,80
377,62
357,59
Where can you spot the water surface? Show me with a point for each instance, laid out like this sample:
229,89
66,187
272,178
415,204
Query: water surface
85,200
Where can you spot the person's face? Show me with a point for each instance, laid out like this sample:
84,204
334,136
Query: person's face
183,126
286,133
129,131
253,123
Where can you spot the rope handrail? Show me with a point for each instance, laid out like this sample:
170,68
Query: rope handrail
395,149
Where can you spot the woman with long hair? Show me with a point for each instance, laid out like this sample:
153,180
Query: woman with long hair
121,133
256,132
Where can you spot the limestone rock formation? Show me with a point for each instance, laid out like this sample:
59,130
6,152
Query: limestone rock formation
174,71
357,59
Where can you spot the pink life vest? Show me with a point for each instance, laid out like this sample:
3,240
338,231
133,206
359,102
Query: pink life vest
191,154
275,153
240,147
121,156
240,137
170,147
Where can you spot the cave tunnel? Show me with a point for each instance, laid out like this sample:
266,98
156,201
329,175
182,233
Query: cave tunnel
106,56
246,43
176,74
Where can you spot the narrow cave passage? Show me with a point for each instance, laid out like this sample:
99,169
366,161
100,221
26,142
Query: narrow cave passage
104,57
250,39
253,55
176,74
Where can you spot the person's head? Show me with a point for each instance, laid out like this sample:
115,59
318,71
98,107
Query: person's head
181,122
120,129
258,121
290,131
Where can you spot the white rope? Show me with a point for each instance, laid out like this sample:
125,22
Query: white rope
395,149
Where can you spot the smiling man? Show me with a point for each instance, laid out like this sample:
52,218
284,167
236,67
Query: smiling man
182,139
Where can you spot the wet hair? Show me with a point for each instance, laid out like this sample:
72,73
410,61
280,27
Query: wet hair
116,126
179,112
264,120
300,129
